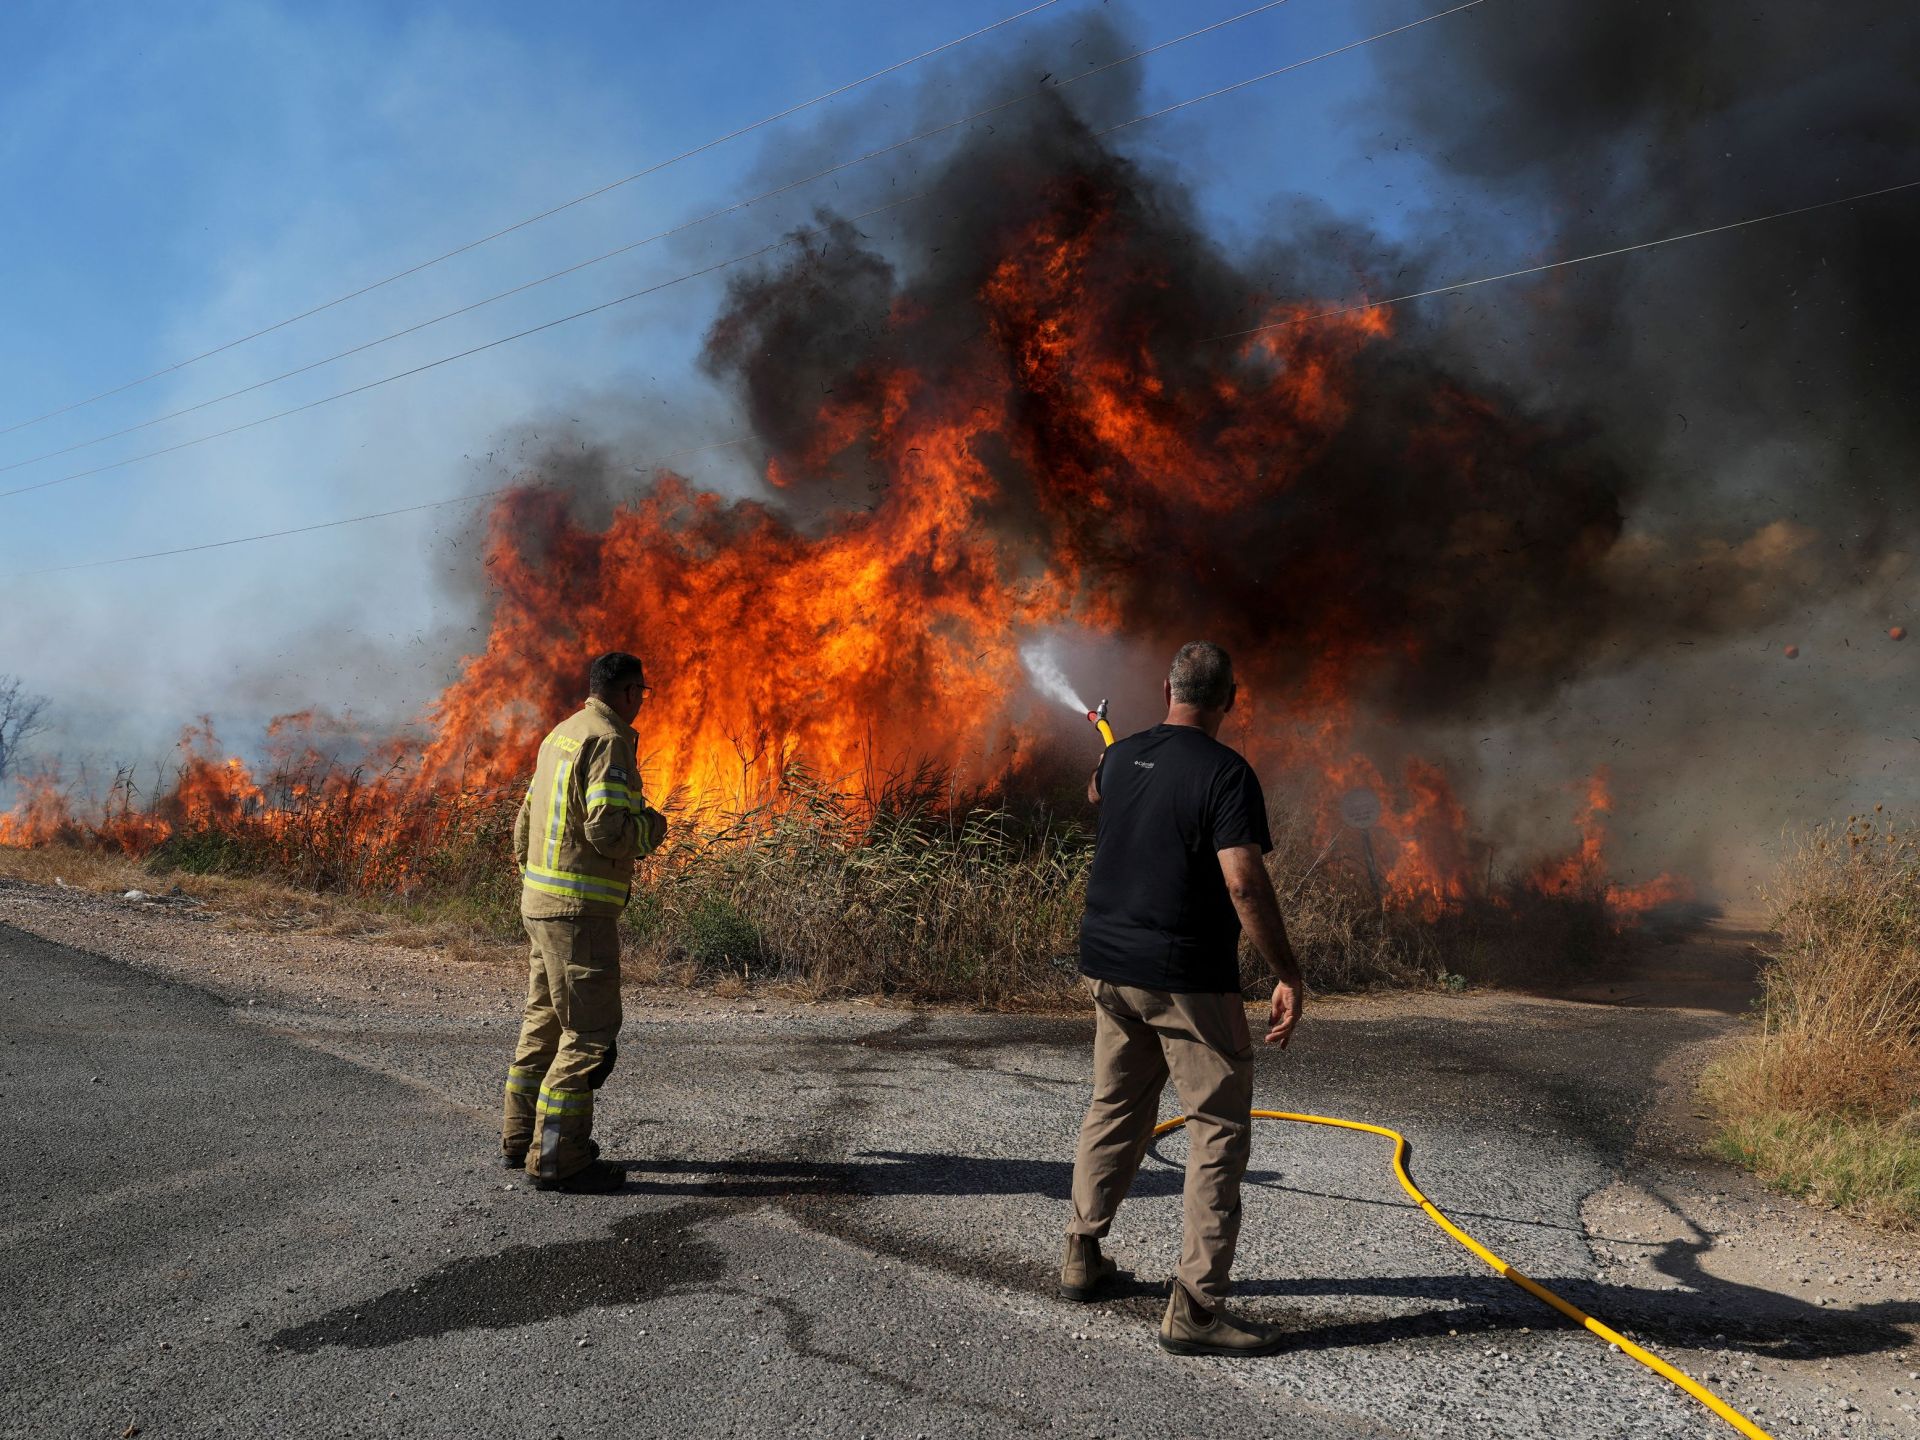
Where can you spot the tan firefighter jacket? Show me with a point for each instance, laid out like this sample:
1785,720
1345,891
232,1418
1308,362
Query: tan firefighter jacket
584,821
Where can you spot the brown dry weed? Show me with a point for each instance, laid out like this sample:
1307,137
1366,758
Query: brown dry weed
908,892
1823,1099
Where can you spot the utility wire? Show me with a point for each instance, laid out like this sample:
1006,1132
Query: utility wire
1563,264
1229,335
357,519
1314,59
458,355
700,220
705,270
546,214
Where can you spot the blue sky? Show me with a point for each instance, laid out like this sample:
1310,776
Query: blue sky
183,174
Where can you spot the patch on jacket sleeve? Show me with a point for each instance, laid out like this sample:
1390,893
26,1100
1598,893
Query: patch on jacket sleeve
615,773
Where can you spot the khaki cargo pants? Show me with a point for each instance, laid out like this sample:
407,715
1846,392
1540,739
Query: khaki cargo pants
566,1048
1140,1038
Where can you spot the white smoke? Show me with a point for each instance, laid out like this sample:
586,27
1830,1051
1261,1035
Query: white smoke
1048,678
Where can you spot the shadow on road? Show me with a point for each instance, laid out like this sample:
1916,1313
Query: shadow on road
647,1256
643,1258
1719,1314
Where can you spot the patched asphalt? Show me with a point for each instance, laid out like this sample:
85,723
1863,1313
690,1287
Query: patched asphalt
233,1220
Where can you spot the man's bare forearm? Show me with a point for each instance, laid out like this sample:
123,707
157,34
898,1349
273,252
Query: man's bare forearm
1259,910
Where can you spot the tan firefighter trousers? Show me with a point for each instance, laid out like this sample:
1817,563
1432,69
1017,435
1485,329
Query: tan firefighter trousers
1140,1037
566,1048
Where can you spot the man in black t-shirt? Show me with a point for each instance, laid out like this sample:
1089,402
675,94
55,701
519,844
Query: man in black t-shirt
1177,874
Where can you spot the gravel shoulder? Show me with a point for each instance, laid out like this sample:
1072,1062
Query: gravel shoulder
841,1219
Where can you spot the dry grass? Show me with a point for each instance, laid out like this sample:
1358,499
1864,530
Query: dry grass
252,903
86,868
901,890
1824,1101
824,896
1344,940
982,908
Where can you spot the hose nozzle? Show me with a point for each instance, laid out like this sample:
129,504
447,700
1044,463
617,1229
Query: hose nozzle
1098,718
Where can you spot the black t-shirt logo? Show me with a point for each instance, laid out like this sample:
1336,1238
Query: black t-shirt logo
1144,764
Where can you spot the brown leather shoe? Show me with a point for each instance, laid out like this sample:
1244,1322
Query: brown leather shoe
1084,1271
1183,1331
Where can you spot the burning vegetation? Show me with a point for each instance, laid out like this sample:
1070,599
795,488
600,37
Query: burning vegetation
1019,418
1028,427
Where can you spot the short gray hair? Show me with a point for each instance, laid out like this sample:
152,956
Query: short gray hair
1202,676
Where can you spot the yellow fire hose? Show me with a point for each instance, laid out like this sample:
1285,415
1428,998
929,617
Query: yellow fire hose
1533,1287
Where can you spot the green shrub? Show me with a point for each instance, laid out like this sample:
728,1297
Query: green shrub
715,932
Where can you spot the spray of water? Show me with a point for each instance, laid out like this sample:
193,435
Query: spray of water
1048,678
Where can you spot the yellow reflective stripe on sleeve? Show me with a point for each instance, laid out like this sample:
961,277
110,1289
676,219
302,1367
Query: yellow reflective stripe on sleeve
617,795
557,810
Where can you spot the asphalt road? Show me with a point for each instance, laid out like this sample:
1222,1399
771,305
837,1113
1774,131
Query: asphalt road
228,1220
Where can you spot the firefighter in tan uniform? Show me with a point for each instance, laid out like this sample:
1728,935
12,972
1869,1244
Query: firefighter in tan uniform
583,824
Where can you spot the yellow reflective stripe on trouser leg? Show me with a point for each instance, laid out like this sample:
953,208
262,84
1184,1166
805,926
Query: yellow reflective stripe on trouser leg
565,1116
557,810
524,1079
565,1102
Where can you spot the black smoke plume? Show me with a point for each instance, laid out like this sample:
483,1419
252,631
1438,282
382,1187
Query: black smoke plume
1544,502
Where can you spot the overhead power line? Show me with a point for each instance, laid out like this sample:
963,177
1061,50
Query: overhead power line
686,225
1563,264
1228,335
449,359
1297,64
535,219
498,490
695,274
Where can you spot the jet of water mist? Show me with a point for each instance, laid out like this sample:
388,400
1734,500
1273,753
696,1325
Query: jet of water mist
1048,678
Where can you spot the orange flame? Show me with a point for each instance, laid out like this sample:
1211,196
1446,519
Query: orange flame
871,635
41,815
1583,871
